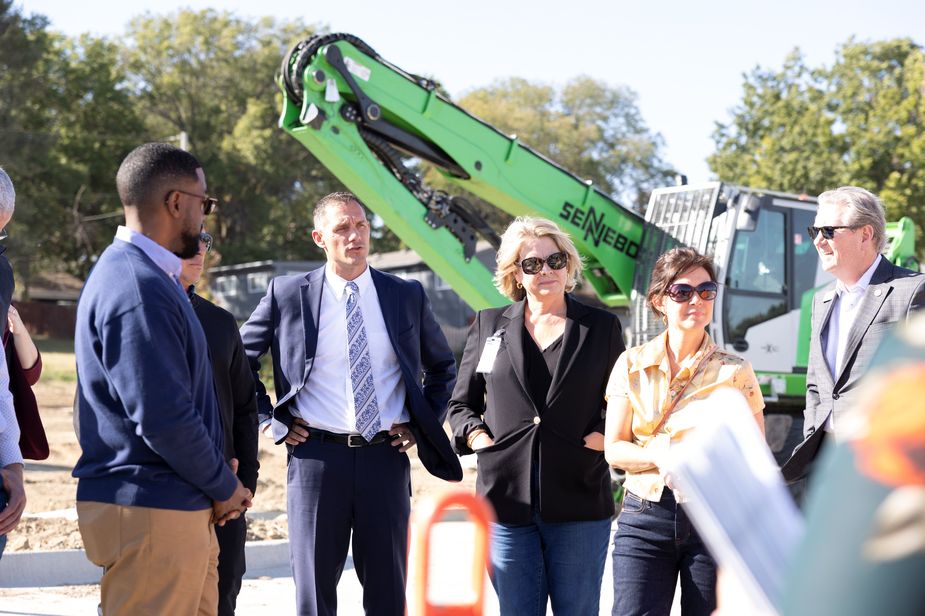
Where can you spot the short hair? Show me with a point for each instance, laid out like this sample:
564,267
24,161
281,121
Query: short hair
508,257
145,175
329,201
669,267
7,194
864,208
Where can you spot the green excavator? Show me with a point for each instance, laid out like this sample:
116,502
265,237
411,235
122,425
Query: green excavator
369,122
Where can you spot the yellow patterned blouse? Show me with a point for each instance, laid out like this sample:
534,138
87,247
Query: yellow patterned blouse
643,376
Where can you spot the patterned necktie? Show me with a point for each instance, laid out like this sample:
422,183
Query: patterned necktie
361,375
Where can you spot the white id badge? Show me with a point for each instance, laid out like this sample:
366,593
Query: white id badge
489,352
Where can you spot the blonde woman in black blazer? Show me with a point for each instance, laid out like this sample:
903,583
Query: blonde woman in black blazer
529,401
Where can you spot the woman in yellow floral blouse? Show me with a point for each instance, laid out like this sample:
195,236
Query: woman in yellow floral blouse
648,395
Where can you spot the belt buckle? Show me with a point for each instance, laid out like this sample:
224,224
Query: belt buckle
355,440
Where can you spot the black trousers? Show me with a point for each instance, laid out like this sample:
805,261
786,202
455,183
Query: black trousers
338,495
231,565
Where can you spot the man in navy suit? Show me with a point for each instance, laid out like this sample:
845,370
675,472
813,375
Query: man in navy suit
349,345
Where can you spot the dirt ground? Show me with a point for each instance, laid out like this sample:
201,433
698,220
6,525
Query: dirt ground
50,522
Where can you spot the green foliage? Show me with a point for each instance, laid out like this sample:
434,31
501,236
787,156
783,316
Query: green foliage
210,74
589,128
860,121
65,123
71,108
594,130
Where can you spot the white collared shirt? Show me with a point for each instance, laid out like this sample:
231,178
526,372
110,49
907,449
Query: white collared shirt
326,401
163,258
847,303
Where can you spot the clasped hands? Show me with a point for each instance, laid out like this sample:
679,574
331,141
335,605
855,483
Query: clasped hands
234,507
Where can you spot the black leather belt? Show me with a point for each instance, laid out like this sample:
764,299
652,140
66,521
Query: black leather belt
350,440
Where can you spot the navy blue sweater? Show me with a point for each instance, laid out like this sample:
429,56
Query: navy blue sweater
149,425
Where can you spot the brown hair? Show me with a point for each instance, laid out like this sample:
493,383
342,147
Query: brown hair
328,202
669,268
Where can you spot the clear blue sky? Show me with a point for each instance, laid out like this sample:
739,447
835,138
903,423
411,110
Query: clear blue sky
684,58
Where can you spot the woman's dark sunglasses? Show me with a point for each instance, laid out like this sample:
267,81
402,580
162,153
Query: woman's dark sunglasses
827,232
534,265
684,292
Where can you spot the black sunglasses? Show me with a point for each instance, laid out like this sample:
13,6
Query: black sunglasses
206,238
827,232
684,292
534,265
209,204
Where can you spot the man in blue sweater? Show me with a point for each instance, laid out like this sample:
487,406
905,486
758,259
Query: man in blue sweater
152,477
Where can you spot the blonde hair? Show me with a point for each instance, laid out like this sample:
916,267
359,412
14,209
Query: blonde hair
524,228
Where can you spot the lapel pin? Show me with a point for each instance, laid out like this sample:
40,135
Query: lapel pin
877,292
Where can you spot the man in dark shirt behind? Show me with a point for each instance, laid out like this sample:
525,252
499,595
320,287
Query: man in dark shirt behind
237,402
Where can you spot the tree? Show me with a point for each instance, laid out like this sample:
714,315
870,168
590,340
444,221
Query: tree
65,120
860,121
210,74
25,143
95,124
594,130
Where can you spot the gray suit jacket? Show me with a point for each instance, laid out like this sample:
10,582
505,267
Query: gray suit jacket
894,293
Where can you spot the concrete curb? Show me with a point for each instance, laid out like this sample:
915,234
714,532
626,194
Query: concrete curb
40,568
47,568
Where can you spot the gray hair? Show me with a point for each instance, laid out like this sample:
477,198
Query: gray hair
864,208
7,194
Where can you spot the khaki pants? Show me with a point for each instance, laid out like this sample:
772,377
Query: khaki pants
156,561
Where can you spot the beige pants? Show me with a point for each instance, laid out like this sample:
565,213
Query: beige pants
156,561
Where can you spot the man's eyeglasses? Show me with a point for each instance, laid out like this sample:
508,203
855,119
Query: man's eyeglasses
209,204
534,265
206,240
827,232
684,292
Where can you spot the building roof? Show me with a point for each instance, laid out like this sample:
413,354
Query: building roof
52,287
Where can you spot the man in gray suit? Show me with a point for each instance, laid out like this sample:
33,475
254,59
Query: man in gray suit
851,316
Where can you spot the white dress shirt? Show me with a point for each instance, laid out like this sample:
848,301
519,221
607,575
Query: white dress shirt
326,401
847,302
163,258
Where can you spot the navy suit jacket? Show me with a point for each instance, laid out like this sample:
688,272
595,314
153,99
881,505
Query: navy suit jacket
286,324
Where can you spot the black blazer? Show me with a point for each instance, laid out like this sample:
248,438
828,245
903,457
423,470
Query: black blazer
234,387
574,481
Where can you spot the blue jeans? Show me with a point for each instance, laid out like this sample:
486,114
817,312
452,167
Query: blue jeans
563,561
654,543
4,499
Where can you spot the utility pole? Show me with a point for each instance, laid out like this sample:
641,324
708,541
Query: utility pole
182,140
